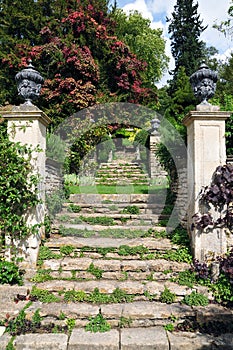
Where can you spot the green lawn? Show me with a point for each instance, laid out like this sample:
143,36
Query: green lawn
130,189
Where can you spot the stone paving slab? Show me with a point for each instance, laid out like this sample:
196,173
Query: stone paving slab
145,309
7,304
71,310
213,312
79,242
189,341
4,340
41,342
153,338
82,340
223,342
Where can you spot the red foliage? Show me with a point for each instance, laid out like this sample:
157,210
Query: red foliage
70,59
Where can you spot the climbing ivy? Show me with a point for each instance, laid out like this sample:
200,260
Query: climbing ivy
18,188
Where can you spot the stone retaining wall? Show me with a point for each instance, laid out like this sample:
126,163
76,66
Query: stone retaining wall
53,176
182,196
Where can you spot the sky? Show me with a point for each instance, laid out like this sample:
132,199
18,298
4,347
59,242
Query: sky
211,11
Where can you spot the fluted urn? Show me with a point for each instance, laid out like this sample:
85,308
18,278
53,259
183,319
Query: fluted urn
29,83
203,83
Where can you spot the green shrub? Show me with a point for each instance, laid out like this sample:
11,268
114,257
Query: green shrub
10,273
223,290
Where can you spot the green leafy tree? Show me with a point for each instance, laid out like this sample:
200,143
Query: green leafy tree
224,98
147,43
185,28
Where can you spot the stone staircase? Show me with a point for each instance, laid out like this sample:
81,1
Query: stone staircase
115,212
109,261
121,173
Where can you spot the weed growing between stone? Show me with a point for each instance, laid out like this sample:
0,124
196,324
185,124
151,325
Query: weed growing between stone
43,295
131,209
125,322
42,275
74,208
167,296
169,327
195,299
95,271
97,324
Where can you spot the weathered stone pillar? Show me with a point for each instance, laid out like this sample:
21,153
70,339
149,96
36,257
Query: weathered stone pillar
206,151
156,170
27,124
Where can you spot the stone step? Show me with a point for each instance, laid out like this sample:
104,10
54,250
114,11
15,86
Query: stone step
138,314
122,339
120,164
133,176
115,218
124,183
137,288
143,208
113,269
130,199
123,174
115,170
84,230
124,179
153,244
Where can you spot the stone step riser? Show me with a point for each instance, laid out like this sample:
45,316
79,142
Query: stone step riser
126,221
139,268
114,275
134,175
119,205
138,314
128,183
106,210
98,242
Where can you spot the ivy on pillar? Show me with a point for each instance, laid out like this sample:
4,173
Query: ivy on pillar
27,124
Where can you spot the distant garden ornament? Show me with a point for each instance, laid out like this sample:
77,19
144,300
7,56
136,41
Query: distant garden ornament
203,83
155,124
29,83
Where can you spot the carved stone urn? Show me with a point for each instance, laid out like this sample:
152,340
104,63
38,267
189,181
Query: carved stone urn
203,83
29,83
